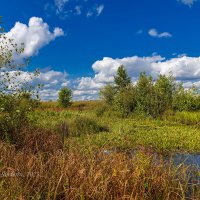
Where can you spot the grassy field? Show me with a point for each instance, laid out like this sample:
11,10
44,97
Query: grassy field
179,132
73,154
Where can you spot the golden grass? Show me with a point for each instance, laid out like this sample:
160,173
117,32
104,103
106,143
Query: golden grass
56,173
75,106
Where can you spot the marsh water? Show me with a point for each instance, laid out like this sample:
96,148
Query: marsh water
187,159
190,160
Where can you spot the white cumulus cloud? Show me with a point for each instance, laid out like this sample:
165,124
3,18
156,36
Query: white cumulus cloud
185,69
51,80
35,35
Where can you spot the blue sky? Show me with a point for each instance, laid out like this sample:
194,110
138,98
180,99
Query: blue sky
80,43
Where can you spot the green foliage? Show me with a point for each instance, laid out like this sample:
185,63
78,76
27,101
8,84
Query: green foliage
125,101
14,112
149,97
15,93
188,100
100,110
11,81
65,97
85,126
107,94
165,89
145,94
122,80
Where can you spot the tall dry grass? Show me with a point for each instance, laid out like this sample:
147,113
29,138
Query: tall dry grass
42,169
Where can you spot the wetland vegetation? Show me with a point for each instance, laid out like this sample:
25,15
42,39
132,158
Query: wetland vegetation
139,141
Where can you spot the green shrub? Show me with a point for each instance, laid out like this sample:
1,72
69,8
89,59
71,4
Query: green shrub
100,111
14,111
145,94
125,101
148,97
122,80
15,92
65,97
107,94
186,100
85,126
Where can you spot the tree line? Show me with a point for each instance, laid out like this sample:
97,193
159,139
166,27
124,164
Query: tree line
148,96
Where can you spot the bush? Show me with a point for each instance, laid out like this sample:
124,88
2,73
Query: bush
14,111
15,92
122,80
101,110
145,94
125,101
65,97
148,97
186,100
85,126
107,94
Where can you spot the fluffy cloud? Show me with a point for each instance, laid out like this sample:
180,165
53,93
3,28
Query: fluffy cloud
154,33
182,67
187,2
83,88
185,69
51,80
35,35
85,94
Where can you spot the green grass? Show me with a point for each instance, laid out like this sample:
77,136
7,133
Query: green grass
161,135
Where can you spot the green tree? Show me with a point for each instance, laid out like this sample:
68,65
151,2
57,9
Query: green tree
122,80
65,97
11,79
165,88
14,107
145,94
186,100
107,94
125,101
148,96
